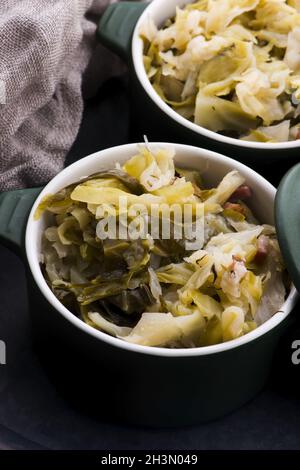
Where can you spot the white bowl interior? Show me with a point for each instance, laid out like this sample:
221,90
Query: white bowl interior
160,11
213,166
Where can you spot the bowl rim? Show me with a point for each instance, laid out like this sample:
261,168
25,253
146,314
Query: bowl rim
137,59
33,263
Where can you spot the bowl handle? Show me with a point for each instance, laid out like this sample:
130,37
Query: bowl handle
287,217
14,211
117,25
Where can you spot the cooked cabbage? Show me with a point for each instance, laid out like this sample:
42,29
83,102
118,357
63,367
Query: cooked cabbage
231,66
154,290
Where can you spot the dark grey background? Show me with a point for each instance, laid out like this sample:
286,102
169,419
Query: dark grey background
33,415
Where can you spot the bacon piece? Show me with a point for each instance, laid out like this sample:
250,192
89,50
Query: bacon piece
262,249
235,207
241,193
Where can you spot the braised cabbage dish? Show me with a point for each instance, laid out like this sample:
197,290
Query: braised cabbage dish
154,290
231,66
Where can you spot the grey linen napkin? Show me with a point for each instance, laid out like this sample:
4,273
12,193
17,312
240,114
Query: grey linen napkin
45,48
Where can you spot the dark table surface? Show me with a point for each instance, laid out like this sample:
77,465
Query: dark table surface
33,415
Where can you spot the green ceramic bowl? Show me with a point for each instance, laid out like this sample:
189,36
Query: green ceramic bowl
287,213
149,386
119,31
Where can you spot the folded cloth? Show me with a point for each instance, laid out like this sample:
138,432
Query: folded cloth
45,47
